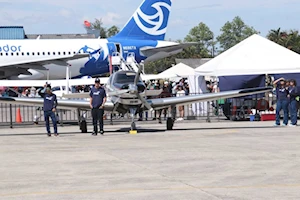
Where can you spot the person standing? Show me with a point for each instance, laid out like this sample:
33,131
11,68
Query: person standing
165,94
282,101
293,93
180,93
97,102
50,104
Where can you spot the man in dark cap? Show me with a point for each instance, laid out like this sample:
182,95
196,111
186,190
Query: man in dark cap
97,102
50,104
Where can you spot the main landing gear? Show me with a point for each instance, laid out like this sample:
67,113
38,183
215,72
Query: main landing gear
82,121
170,123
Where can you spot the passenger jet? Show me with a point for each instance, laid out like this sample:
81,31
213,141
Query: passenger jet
143,36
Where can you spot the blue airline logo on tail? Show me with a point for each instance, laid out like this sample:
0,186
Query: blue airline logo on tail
149,22
153,22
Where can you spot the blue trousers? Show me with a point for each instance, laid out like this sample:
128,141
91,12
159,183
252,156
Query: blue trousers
50,114
282,105
293,111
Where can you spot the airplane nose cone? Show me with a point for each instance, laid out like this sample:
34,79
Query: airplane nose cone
132,89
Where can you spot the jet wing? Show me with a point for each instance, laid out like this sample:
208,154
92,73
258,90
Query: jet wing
62,104
38,62
151,51
166,102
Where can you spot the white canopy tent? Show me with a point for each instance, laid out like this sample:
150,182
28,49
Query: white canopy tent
179,70
254,55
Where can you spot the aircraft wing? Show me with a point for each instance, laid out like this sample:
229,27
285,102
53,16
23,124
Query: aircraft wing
166,102
151,51
38,62
62,104
54,83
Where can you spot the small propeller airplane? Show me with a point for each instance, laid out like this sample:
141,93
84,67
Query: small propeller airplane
126,93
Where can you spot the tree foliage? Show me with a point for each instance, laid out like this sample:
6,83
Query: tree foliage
98,25
112,31
205,39
103,31
289,39
234,32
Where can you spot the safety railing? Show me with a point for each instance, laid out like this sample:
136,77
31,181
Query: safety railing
213,110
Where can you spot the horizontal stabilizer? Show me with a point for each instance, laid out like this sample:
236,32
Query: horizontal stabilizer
149,51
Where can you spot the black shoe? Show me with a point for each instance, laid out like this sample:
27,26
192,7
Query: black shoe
102,132
49,134
94,134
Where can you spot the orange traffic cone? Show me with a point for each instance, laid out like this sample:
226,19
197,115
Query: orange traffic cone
18,116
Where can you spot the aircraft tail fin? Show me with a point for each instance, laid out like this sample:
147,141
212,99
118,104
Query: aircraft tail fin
149,21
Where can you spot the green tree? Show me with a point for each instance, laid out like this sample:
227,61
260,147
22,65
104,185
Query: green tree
158,66
289,39
98,25
276,35
112,31
205,39
234,32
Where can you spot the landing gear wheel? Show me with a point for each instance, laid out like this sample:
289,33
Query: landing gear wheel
133,126
83,126
170,123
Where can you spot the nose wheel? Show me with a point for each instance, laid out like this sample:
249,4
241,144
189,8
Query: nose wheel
133,126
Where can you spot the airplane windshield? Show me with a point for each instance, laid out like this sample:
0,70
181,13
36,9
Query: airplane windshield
125,78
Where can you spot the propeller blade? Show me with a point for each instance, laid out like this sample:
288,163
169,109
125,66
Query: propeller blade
147,105
137,76
116,93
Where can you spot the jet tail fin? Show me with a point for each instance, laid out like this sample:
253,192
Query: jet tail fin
149,22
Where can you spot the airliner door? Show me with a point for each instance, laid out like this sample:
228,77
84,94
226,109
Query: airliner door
119,48
114,47
111,48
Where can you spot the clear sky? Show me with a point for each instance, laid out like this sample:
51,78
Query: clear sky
67,16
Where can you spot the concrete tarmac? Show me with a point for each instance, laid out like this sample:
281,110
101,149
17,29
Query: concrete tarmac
225,160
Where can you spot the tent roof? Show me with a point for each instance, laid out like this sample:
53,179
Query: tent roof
180,70
254,55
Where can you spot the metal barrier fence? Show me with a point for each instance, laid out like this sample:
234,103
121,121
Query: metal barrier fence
195,111
31,114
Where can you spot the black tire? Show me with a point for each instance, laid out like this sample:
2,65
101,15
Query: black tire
133,126
227,109
170,123
83,127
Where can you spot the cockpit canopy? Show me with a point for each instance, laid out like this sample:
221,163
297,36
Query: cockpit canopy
125,77
122,80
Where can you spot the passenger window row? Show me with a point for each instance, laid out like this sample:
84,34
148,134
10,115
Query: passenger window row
38,53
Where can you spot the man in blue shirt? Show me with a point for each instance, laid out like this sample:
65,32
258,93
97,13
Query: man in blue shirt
282,94
50,104
97,102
